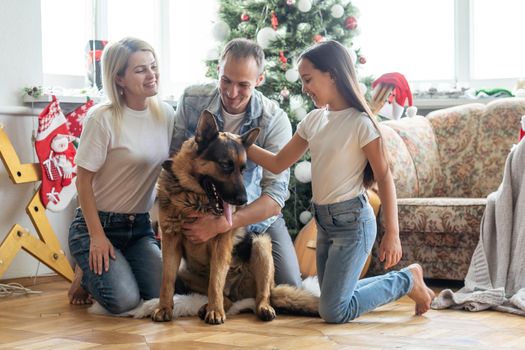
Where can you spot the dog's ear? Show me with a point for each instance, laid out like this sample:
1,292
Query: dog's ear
249,137
207,130
166,165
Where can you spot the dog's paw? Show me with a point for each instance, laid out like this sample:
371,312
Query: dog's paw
211,316
202,311
163,314
266,312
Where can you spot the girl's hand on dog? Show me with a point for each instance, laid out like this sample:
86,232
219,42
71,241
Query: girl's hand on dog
204,227
100,250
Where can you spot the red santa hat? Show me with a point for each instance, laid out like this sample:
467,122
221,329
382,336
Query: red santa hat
399,97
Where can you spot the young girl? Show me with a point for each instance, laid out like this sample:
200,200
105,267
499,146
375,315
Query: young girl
344,141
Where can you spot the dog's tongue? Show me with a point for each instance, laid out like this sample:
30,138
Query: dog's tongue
227,212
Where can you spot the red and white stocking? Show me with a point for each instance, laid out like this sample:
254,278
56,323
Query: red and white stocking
56,154
75,119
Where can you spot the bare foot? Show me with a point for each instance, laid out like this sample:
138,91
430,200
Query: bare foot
420,293
76,294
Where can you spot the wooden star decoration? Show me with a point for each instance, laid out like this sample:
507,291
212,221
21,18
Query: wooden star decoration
46,249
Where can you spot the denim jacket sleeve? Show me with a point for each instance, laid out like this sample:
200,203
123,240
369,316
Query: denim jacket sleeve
277,135
180,130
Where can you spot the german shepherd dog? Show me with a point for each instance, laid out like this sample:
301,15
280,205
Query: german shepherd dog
206,176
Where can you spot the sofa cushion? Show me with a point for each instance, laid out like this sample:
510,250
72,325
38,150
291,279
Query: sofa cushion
498,130
439,233
456,129
400,161
419,139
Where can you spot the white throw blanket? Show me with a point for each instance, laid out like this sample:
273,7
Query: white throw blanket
496,276
189,305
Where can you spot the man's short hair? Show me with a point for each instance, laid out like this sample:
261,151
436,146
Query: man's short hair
243,48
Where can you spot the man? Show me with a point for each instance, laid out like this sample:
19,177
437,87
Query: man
238,107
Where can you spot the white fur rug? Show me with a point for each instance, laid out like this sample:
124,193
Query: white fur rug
189,305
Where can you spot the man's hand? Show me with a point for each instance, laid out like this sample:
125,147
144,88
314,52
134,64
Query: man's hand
390,251
205,227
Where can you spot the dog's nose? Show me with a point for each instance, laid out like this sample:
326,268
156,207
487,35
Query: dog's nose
240,199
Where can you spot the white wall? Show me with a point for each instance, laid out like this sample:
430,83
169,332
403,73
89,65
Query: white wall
21,65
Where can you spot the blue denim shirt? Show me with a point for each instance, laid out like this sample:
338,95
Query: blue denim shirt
276,131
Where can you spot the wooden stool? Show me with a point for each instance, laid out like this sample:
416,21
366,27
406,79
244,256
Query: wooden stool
306,241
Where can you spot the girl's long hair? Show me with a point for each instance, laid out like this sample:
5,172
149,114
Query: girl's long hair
332,57
115,58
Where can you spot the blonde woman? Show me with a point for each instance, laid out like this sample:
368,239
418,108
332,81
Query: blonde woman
122,147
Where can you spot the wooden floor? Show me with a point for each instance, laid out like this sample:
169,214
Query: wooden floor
47,321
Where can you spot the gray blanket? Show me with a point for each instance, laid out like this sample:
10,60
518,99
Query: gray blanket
496,276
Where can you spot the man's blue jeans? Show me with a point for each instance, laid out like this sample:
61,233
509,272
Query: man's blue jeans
136,272
346,232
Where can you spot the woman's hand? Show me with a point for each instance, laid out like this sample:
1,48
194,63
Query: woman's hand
390,251
100,250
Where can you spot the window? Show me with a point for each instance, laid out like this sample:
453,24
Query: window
415,38
66,27
180,32
443,43
497,48
446,43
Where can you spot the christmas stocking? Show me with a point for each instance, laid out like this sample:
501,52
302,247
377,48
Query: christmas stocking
75,120
56,155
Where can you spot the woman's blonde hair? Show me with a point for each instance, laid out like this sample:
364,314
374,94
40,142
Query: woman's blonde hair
115,60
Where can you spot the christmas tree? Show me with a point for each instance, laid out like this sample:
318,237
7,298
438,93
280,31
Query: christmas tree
284,28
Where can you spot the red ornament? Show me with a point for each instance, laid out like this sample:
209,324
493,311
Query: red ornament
318,38
245,17
362,60
275,22
351,23
282,58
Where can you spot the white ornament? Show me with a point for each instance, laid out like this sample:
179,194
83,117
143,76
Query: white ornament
337,11
303,171
304,217
363,88
265,37
221,31
296,101
411,111
304,5
212,54
304,27
300,113
292,75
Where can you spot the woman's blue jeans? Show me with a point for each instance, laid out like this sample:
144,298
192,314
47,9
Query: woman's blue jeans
346,232
136,272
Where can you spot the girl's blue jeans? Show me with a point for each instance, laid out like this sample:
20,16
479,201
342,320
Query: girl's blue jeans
346,232
136,272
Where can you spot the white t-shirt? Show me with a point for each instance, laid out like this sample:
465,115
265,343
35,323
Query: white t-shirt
336,140
126,166
232,122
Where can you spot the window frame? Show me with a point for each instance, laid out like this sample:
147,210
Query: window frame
462,49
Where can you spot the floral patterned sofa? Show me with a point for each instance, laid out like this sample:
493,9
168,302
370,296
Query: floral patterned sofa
444,166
